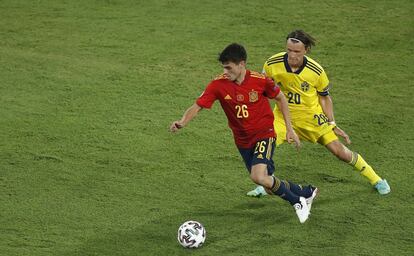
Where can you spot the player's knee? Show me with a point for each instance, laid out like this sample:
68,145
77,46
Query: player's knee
257,178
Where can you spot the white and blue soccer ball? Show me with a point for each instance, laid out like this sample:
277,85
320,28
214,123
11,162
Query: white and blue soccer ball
191,234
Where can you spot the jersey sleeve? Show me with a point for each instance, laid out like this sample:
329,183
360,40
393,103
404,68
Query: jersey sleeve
208,97
322,85
271,90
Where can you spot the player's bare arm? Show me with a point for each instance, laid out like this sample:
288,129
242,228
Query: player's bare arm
188,115
290,133
327,107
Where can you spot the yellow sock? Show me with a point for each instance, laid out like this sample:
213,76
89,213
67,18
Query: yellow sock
365,169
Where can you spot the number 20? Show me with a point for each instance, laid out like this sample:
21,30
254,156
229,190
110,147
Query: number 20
321,118
294,98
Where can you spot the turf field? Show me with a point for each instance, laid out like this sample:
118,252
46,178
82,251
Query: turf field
87,92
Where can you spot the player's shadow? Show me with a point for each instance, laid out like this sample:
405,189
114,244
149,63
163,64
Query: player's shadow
158,236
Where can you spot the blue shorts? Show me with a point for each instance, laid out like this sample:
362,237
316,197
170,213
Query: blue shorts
261,153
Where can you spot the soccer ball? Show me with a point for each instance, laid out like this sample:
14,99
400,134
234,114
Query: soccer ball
191,234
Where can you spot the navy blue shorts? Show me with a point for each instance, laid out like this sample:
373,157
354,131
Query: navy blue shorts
261,153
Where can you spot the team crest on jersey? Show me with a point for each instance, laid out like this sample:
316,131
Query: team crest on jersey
240,97
304,86
253,96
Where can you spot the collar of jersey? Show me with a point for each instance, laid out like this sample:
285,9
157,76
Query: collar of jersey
289,70
246,78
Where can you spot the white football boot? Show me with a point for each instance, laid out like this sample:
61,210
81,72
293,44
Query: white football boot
302,210
310,199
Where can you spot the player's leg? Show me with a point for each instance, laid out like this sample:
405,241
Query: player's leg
354,159
259,175
259,162
280,129
331,142
261,172
307,191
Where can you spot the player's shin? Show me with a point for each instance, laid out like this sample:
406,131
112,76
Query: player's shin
364,168
300,205
279,188
298,189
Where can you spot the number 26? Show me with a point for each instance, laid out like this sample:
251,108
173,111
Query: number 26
242,111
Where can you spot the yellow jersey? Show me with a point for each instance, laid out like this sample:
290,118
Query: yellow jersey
301,87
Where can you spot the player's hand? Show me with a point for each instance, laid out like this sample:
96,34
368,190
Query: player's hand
339,132
292,137
175,126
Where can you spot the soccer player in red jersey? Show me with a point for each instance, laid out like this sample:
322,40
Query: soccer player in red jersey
243,95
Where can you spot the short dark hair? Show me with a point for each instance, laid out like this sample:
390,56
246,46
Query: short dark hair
234,53
302,36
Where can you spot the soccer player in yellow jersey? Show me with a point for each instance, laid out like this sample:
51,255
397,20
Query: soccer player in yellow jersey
306,87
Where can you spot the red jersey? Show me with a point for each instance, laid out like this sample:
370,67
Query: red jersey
246,106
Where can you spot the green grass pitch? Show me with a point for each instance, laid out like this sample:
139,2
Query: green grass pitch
87,92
